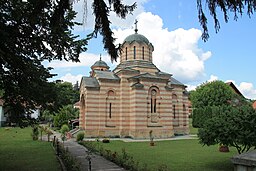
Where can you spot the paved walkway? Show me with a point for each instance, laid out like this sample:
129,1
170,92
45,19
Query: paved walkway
98,163
80,154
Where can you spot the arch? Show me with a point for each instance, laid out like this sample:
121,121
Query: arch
184,115
110,103
153,94
174,105
82,111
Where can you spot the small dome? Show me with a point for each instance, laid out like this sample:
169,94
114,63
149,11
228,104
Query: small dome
137,38
100,64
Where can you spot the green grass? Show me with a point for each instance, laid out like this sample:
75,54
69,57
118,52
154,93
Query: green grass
178,155
192,130
19,152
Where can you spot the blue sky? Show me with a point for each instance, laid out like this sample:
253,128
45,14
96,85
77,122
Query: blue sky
173,28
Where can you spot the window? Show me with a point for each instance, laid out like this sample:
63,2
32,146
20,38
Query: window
143,52
110,108
174,111
174,105
134,52
126,53
110,103
153,101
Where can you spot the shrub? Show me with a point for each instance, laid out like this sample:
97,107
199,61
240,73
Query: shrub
106,140
80,136
64,129
35,132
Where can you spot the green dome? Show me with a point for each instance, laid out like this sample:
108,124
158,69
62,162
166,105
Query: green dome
100,63
137,38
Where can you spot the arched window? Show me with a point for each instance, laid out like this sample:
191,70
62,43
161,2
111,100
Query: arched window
110,100
174,111
185,115
143,52
174,106
134,52
153,101
126,53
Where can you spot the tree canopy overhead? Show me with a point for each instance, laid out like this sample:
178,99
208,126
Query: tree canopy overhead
37,30
235,7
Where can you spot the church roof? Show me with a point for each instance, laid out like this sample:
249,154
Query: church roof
105,75
90,82
135,63
175,82
136,38
100,63
147,75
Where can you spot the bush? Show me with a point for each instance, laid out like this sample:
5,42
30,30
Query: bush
64,129
80,136
106,140
35,132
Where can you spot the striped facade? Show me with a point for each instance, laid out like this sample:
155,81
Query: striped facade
134,98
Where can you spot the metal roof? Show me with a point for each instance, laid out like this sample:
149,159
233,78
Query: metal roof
136,38
90,82
105,75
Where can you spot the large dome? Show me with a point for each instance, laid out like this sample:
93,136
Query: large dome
136,38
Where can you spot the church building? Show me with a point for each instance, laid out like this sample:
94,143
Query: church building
134,98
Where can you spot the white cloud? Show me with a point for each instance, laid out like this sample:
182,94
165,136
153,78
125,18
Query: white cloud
71,78
213,78
176,52
85,12
86,60
247,90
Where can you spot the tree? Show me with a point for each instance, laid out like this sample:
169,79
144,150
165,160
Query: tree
233,126
208,97
65,114
215,93
237,7
42,30
65,95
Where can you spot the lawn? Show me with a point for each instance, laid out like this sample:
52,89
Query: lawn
192,130
178,155
19,152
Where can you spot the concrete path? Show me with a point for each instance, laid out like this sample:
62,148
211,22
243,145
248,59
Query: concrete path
98,163
80,154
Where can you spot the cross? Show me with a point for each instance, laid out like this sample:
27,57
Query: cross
136,29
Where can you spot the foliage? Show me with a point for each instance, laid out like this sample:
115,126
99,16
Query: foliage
19,152
36,31
171,154
64,129
80,136
65,95
215,93
229,6
31,33
234,126
201,115
208,97
65,114
68,160
35,132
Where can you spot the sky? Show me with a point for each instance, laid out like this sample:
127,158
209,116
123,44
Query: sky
173,29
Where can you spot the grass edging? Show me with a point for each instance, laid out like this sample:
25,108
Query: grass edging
123,160
65,158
